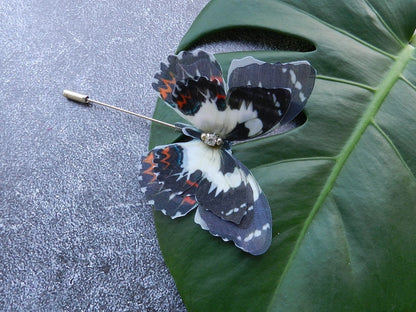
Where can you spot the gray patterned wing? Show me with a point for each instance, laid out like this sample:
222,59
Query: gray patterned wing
298,77
179,177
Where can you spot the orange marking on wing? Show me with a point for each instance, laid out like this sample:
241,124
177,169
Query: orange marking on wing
150,160
184,99
218,78
188,200
164,92
189,182
221,96
165,160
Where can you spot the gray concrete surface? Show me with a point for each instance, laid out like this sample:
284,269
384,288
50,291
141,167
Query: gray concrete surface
75,234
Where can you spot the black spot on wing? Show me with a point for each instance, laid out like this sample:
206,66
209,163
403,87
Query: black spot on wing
269,106
167,183
185,65
231,205
190,95
193,64
252,235
299,77
228,201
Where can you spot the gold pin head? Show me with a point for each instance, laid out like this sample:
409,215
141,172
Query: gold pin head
85,99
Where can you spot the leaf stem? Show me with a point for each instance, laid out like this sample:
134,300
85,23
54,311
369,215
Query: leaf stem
381,93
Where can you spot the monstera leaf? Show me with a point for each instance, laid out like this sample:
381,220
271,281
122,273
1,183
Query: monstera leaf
342,187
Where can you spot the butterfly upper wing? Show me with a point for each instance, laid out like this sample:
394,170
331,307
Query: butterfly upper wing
192,84
186,65
298,77
260,95
180,176
201,102
255,110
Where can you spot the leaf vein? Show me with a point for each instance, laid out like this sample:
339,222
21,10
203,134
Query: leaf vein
395,149
285,161
386,26
345,81
341,31
408,82
347,244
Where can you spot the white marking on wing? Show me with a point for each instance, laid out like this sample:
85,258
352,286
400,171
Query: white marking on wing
178,214
302,96
229,212
249,237
199,156
200,221
255,187
292,76
210,119
254,126
266,227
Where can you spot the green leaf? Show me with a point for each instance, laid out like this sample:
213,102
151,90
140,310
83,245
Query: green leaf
342,187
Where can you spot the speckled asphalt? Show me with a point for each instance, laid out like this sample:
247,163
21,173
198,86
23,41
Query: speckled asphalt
75,233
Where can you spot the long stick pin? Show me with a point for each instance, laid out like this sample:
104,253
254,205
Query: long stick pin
85,99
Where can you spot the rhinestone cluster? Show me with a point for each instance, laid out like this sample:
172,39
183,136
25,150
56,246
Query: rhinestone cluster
211,139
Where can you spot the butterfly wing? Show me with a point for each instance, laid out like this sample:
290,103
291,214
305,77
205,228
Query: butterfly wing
297,77
178,177
192,84
241,214
255,110
182,67
260,95
167,183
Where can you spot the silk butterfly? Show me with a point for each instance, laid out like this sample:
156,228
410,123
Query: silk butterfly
202,173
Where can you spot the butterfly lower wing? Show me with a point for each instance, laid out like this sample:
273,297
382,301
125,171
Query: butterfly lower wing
254,237
178,177
240,214
167,183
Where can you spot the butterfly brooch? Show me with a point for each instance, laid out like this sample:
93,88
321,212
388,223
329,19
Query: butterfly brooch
202,173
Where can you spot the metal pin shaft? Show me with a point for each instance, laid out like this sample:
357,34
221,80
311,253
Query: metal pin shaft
84,99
